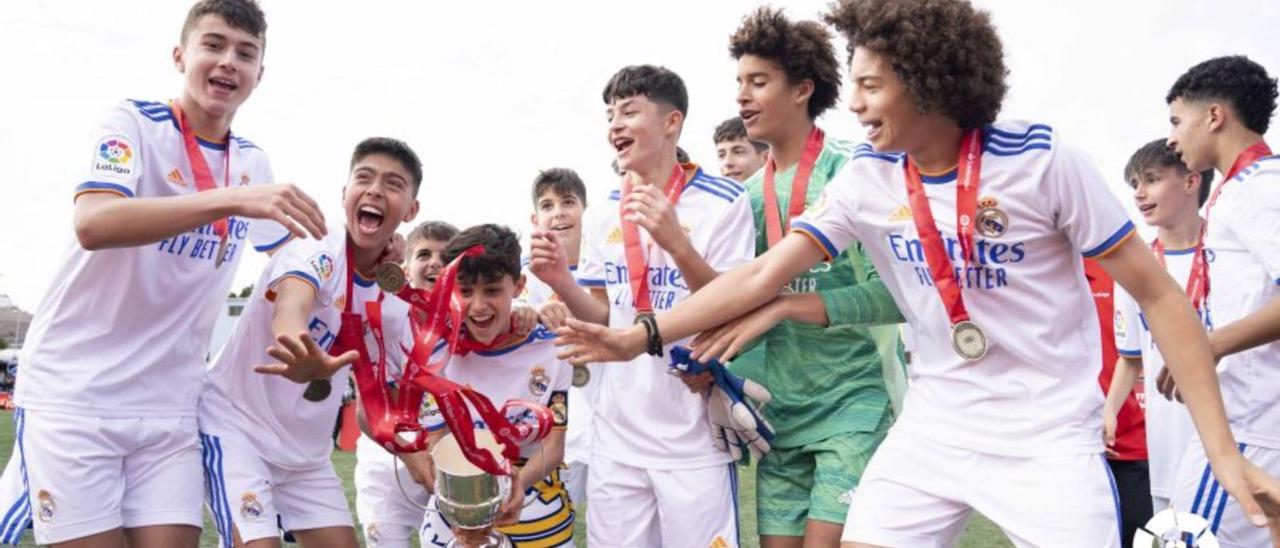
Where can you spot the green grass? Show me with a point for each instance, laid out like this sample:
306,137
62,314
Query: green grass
980,534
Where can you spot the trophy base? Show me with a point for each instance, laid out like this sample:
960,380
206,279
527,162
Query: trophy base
494,540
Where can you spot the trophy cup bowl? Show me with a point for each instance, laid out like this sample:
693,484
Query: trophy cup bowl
466,496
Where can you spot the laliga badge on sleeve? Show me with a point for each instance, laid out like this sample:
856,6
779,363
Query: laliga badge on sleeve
390,277
1173,529
581,376
318,390
222,252
968,340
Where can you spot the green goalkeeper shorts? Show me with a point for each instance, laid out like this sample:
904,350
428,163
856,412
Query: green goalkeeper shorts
814,481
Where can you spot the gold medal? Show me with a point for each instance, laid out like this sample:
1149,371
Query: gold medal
968,340
222,252
390,277
581,376
318,390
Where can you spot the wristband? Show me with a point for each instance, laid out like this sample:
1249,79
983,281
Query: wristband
654,342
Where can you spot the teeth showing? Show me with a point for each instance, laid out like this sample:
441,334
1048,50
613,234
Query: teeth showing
621,143
223,82
561,227
371,210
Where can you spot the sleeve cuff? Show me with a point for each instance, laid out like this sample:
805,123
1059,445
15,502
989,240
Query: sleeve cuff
274,245
102,186
1129,353
829,250
296,274
590,282
1111,243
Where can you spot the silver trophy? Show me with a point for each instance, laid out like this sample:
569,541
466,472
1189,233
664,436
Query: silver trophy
466,496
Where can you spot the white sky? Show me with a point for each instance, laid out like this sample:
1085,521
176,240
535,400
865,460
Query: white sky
488,93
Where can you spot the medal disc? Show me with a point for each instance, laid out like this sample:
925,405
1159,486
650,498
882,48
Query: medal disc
390,277
968,340
318,390
222,252
581,376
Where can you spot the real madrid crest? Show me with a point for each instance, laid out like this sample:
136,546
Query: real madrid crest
992,221
47,506
250,508
539,382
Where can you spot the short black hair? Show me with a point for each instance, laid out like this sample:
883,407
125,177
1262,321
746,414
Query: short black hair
560,180
732,130
394,148
1157,154
1236,79
682,156
802,49
946,52
439,231
501,255
240,14
658,84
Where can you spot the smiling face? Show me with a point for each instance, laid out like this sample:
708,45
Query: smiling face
222,65
488,304
425,262
739,159
560,213
640,130
1164,195
768,102
377,198
883,104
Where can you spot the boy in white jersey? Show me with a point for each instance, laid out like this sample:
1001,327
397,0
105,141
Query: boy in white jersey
114,357
1219,110
390,495
1003,413
503,365
266,438
559,199
740,156
1169,197
656,477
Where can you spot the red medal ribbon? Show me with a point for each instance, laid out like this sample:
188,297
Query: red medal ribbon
200,167
1200,266
637,262
1198,280
775,226
968,170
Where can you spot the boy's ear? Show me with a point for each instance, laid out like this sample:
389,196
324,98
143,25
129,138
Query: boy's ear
1193,183
674,121
1216,116
520,284
177,60
533,220
803,91
413,212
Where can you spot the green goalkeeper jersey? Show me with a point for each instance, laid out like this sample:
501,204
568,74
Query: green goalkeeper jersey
824,380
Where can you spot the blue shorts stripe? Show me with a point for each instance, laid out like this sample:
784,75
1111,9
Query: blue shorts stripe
1204,479
1222,504
733,488
1115,499
18,518
217,490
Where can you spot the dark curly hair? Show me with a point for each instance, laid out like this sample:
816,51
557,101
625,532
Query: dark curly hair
1235,79
803,50
501,255
946,52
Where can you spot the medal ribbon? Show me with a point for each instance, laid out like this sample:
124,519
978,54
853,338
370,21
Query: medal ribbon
637,262
1200,267
200,167
968,169
775,226
1198,280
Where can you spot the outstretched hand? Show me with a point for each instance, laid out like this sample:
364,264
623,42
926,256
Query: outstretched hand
302,360
583,342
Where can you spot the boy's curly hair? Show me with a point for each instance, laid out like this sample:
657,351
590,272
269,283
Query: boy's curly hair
946,52
802,49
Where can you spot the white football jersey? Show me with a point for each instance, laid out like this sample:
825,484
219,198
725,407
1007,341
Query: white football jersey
577,442
269,410
1243,242
645,417
526,371
1042,205
1169,426
125,331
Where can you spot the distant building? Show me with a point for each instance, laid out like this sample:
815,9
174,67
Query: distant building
226,324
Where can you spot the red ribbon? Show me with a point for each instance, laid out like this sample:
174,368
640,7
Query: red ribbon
1200,266
775,226
968,170
200,167
637,262
1198,280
